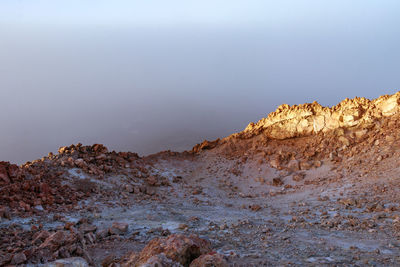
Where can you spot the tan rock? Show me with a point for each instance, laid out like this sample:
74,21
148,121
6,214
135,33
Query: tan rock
345,141
293,165
302,120
275,163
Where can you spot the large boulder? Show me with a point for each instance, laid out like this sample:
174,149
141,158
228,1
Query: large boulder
177,247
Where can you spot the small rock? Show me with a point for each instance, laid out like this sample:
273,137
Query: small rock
151,180
107,261
86,228
18,258
118,228
211,259
255,207
298,176
129,188
102,234
305,165
277,181
275,163
294,165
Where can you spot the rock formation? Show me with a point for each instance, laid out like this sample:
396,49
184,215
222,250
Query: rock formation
302,120
356,115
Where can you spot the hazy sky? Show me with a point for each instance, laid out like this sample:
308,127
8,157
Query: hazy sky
151,75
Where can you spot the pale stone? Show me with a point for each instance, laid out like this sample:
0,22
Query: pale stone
68,262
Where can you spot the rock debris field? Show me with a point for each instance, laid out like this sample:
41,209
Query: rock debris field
305,186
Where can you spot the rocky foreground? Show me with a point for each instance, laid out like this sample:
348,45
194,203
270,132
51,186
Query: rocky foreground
306,186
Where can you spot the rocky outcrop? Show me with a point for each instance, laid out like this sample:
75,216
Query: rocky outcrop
205,145
306,119
357,115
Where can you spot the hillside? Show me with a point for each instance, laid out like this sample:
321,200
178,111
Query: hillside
305,186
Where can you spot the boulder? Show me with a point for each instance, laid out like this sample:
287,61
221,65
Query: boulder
54,241
118,228
177,247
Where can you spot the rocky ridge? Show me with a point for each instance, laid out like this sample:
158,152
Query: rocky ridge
356,115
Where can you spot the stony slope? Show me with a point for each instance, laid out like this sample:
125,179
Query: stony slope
287,191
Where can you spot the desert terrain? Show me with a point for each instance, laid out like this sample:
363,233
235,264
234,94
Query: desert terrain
305,186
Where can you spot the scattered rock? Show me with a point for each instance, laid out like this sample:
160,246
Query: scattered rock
118,228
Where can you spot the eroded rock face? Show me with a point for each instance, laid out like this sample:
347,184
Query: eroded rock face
301,120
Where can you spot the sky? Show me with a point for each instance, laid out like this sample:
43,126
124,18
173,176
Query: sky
146,76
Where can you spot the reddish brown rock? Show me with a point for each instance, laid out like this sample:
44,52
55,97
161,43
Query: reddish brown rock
177,247
277,182
5,212
118,228
58,239
107,261
211,259
39,237
255,207
18,258
4,174
205,145
298,177
151,180
7,172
